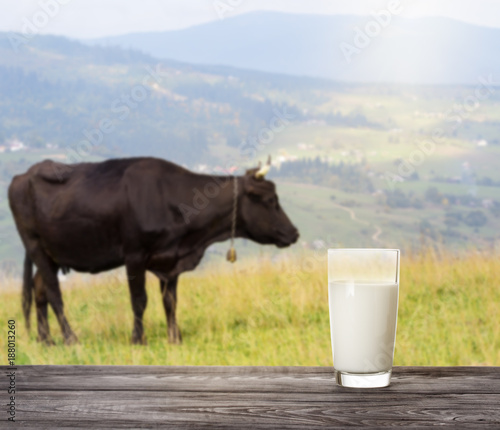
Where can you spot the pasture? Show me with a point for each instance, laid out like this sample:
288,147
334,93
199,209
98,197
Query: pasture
259,312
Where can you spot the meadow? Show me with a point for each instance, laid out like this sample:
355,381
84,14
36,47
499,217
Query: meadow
264,312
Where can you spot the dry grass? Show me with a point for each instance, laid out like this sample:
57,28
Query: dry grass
263,313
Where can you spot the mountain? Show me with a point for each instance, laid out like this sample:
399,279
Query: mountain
58,91
419,51
63,100
361,164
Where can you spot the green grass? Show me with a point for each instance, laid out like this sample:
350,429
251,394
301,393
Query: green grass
414,111
261,313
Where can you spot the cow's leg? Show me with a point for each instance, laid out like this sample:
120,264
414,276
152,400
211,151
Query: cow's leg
137,285
48,271
41,311
169,295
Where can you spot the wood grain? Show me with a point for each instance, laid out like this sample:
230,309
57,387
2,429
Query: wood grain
250,397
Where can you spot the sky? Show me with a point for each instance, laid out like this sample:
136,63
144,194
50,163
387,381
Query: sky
97,18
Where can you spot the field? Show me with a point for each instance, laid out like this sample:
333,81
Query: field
375,127
276,315
399,119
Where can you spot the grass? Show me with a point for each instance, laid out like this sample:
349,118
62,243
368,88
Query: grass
259,312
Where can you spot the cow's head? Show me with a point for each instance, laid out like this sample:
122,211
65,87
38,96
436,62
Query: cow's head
263,218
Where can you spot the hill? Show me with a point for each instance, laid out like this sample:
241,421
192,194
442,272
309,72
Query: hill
58,91
356,164
345,48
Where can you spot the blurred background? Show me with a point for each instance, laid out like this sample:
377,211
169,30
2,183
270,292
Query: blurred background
383,122
382,117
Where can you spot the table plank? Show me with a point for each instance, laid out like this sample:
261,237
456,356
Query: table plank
257,397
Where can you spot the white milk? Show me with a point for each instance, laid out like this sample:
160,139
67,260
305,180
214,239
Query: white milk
363,326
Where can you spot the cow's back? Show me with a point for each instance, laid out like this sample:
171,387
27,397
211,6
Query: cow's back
77,211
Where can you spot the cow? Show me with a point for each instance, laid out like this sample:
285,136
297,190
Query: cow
145,213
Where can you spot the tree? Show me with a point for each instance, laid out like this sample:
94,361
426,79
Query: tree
433,195
475,219
397,199
495,209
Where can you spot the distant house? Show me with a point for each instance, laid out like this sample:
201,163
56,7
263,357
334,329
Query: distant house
15,145
2,149
305,146
286,157
201,168
482,142
487,203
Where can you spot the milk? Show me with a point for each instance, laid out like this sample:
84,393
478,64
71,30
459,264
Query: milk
363,325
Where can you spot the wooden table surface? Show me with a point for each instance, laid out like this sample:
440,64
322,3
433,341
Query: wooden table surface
57,397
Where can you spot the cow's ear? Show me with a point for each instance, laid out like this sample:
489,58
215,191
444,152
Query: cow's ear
250,173
253,192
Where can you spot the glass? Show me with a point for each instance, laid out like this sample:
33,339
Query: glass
363,291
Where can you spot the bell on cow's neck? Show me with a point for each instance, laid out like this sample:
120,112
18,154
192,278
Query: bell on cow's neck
231,255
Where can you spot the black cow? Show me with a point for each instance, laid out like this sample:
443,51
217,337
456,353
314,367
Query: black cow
145,213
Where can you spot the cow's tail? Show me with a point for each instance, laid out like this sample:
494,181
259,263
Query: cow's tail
28,287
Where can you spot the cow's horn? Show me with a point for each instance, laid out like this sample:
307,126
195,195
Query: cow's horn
264,169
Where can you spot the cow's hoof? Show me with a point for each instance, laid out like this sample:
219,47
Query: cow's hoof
139,340
175,338
71,339
47,341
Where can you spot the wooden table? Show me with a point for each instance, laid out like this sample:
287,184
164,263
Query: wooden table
57,397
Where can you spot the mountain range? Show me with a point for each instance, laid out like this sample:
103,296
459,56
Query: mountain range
59,97
56,91
430,50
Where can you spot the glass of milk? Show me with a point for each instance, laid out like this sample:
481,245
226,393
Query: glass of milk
363,290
